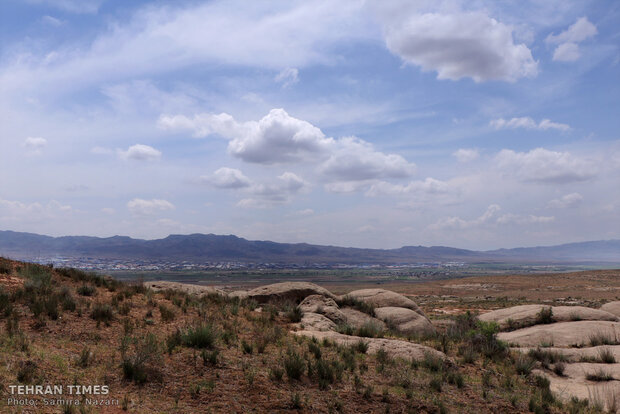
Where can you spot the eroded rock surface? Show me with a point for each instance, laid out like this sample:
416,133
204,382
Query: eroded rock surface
563,334
184,287
404,320
323,305
380,298
295,291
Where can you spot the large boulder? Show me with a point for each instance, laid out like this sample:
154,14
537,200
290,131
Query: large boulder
604,393
612,307
294,291
357,319
316,322
380,298
198,290
404,320
393,347
324,305
527,315
594,353
563,334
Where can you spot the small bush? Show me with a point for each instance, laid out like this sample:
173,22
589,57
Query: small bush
545,316
142,364
102,312
276,374
6,307
294,365
599,376
166,313
607,356
432,362
455,378
200,336
355,303
435,384
247,347
173,340
559,368
295,314
85,357
369,330
5,268
86,290
601,338
361,346
314,349
27,371
209,357
344,329
524,365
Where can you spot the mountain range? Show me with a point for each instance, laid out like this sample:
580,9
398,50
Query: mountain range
219,248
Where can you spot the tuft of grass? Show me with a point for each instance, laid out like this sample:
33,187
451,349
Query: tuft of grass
142,363
355,303
85,358
247,347
295,314
545,316
166,313
5,268
294,365
602,338
599,376
209,357
361,346
86,290
524,365
606,356
435,384
27,371
370,330
102,312
201,335
559,368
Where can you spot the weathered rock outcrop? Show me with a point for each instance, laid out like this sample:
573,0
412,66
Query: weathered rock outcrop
527,315
395,348
295,291
380,298
612,307
563,334
405,320
593,353
323,305
184,287
357,319
316,322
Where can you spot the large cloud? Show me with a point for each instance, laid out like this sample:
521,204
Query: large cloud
543,166
279,192
281,138
459,45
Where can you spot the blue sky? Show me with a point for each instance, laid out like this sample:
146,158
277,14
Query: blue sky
360,123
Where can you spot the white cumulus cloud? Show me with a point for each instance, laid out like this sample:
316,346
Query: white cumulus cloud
228,178
543,166
458,44
140,206
35,144
140,152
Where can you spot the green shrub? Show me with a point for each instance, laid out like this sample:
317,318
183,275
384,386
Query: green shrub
545,316
314,349
599,376
143,362
246,347
86,290
370,330
294,365
166,313
173,340
5,268
85,357
295,314
102,312
361,346
524,365
209,357
606,356
201,335
355,303
27,371
276,374
6,307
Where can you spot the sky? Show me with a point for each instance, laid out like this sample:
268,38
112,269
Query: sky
472,124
